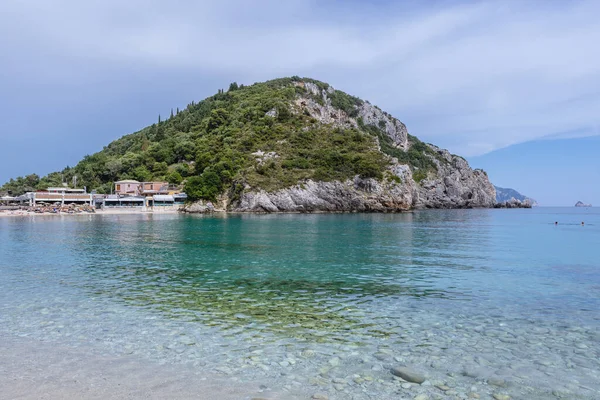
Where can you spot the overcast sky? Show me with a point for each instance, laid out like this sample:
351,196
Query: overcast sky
470,76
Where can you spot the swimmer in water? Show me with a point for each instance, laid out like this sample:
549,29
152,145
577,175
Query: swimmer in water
556,223
582,223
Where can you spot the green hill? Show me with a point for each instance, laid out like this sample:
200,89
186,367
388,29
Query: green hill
264,137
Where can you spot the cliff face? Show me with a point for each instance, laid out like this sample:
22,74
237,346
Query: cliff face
455,186
447,182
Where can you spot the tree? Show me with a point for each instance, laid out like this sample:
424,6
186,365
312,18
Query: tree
174,177
218,117
113,168
184,150
142,174
206,186
160,168
233,86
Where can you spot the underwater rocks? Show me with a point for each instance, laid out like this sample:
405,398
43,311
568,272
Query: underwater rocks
408,375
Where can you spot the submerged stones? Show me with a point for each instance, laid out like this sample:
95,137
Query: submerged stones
495,381
334,362
408,374
308,353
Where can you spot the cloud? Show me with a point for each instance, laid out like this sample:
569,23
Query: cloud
473,76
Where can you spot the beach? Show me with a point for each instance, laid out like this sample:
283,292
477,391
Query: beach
25,213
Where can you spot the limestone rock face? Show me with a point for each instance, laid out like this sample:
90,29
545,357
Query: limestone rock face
324,112
514,203
353,195
199,207
456,186
395,129
453,185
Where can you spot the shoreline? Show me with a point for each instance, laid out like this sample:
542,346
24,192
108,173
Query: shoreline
24,213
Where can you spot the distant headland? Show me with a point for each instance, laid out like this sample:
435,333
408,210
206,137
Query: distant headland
286,145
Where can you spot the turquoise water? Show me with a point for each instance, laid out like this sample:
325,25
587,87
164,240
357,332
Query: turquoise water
464,296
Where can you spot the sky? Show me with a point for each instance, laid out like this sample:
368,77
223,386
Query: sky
487,80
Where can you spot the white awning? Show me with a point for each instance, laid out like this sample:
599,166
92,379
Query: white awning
163,197
113,199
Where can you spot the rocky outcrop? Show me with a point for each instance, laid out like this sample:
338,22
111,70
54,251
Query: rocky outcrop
514,203
199,207
395,129
453,184
318,104
361,195
581,204
507,195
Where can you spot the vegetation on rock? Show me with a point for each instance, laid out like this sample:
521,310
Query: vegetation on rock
248,136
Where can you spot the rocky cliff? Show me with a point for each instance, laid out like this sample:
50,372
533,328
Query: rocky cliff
416,175
289,144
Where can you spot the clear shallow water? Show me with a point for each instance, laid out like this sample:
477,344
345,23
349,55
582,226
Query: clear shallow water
323,303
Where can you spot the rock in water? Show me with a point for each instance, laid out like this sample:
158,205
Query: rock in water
408,375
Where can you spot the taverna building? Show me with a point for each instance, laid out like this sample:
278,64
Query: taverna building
62,195
144,196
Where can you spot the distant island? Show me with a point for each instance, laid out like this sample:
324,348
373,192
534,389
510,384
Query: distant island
581,204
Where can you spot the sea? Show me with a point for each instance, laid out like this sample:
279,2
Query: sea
480,303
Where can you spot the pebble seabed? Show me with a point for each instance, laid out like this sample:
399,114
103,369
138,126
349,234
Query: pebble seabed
330,348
